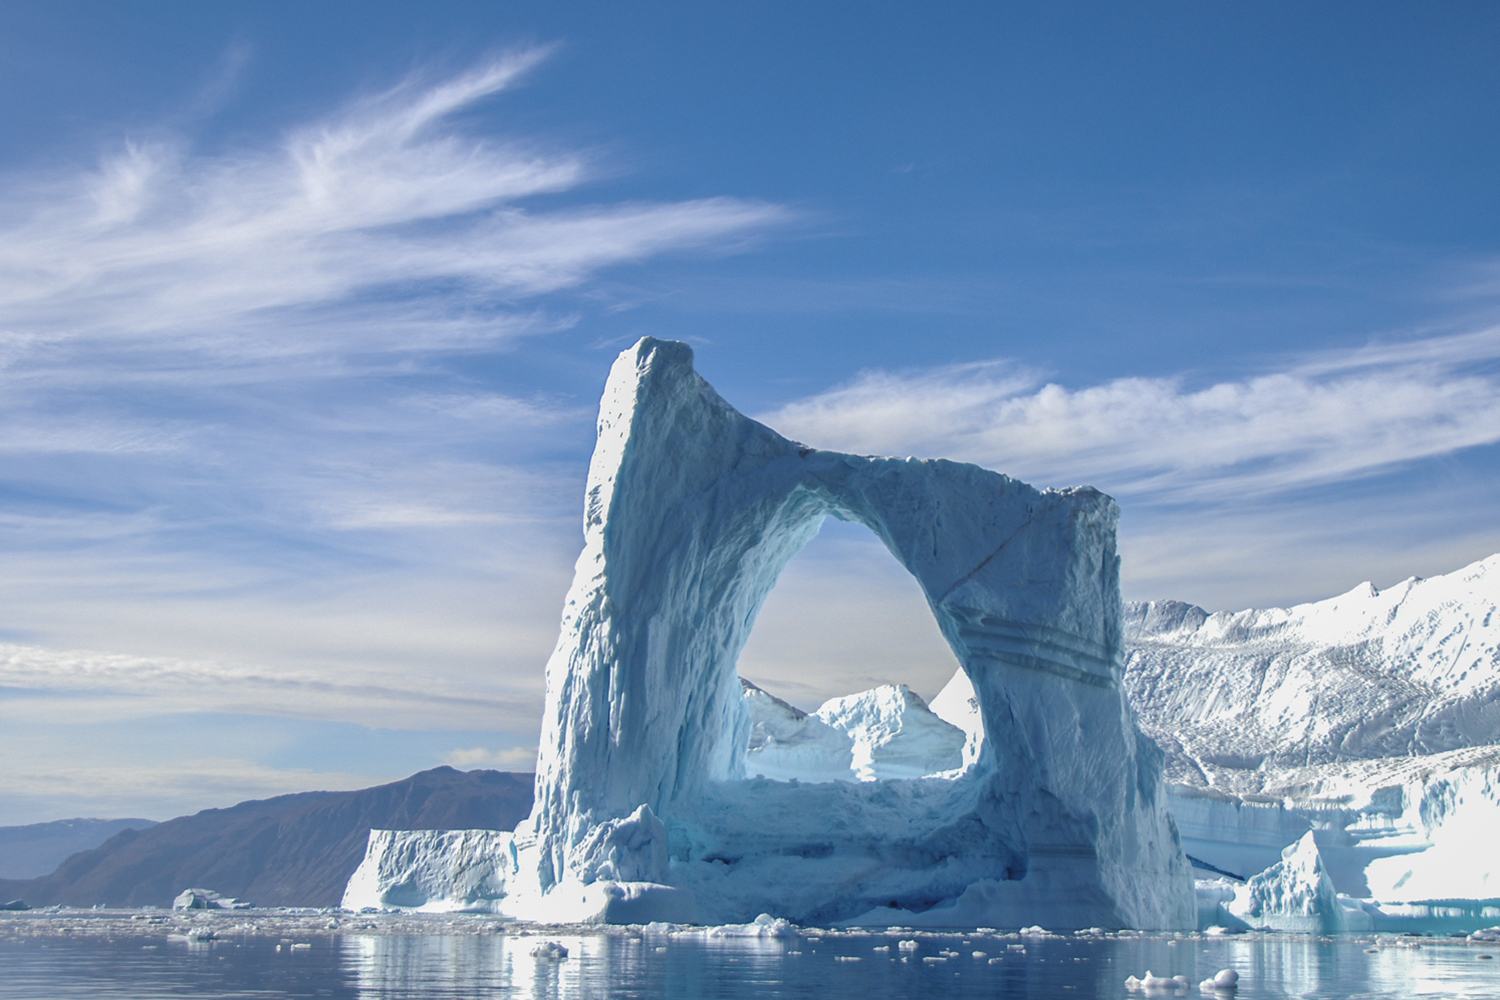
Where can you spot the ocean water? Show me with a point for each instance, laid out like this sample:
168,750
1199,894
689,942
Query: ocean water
54,957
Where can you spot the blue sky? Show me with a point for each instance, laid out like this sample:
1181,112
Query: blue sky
305,310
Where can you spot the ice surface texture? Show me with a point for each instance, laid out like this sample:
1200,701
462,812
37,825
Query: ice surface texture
692,511
431,870
885,732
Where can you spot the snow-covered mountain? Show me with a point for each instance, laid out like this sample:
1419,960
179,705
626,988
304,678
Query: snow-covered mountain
1407,671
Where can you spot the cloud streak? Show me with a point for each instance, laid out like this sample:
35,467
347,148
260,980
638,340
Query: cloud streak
1324,419
221,254
75,684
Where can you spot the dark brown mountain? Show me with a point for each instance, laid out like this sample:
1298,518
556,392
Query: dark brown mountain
293,850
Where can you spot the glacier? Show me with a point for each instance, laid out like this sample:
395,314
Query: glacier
668,789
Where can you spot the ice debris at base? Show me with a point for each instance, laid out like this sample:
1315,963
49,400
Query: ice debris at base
1223,981
646,808
206,899
1153,984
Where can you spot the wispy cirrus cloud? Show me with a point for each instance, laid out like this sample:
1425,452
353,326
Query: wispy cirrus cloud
74,685
1325,418
224,253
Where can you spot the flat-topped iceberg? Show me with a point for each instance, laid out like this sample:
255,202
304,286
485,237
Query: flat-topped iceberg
646,782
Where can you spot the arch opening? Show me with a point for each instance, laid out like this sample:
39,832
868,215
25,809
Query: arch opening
841,669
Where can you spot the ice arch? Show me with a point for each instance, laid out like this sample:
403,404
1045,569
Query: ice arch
692,510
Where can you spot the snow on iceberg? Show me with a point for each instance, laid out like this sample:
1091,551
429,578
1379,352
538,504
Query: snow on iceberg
691,512
1371,718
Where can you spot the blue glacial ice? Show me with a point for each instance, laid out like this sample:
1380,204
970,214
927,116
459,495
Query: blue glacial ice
649,804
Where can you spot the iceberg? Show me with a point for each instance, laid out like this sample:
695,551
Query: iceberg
885,732
1294,894
1411,670
1369,721
438,871
207,899
647,796
669,790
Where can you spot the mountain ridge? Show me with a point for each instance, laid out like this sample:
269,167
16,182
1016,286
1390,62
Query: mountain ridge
290,850
36,849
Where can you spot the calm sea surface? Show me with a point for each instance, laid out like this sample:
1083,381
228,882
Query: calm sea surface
324,956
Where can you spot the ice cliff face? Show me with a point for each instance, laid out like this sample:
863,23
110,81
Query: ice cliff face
432,870
692,510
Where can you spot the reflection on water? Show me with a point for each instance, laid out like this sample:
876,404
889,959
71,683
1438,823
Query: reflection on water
472,966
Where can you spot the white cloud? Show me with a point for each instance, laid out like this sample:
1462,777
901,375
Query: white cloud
1325,419
76,685
41,789
222,254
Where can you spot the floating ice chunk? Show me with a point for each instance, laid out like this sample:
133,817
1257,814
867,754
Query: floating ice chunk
550,950
1152,984
763,926
1223,981
206,899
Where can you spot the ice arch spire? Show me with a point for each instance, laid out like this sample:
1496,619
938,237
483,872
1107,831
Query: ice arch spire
692,510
